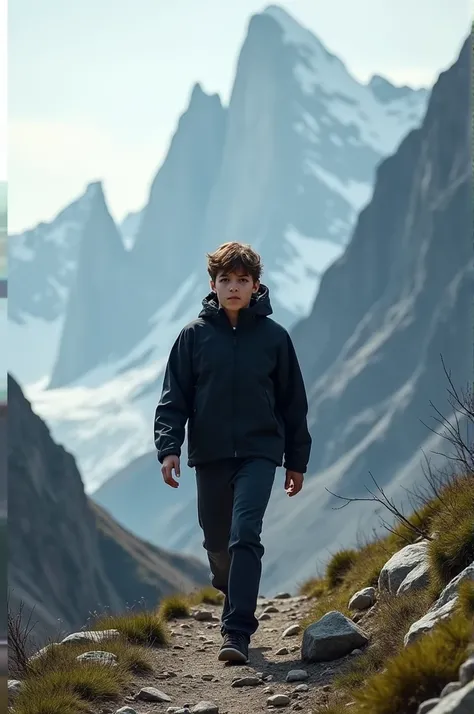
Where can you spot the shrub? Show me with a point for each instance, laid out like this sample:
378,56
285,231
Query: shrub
466,598
421,520
339,565
418,672
174,606
141,628
314,587
208,596
452,549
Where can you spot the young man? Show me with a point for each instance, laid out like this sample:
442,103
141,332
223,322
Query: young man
233,376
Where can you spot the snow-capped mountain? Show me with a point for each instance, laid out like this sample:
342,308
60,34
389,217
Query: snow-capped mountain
287,167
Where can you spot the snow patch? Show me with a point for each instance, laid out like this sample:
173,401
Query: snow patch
357,194
297,279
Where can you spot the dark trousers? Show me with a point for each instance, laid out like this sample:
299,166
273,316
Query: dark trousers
232,498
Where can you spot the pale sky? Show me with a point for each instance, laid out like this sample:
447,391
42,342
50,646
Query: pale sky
96,87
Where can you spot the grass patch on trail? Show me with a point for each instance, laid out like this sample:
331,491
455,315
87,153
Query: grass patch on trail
140,628
131,658
70,687
56,683
206,596
174,606
40,701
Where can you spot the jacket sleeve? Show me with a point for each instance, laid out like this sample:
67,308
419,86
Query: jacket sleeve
293,406
175,405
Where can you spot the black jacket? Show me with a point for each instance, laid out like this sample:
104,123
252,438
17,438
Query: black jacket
240,390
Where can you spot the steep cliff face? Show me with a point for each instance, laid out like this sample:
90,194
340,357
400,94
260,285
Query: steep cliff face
99,299
398,299
68,557
168,242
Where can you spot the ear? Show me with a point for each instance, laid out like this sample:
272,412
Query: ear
213,286
256,286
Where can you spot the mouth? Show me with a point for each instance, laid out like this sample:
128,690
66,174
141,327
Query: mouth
233,298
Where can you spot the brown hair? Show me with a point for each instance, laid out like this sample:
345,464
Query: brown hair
232,257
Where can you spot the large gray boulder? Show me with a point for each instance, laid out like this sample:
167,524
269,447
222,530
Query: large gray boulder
416,579
331,637
400,564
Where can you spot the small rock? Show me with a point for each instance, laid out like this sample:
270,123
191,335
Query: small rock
400,564
270,609
178,647
297,675
247,682
450,688
327,688
203,615
14,688
264,616
105,658
279,700
207,677
90,636
282,596
126,710
297,707
466,671
291,631
151,694
302,688
356,652
205,708
427,706
362,599
184,626
268,690
283,651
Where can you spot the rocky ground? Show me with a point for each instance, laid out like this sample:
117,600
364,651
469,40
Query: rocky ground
189,674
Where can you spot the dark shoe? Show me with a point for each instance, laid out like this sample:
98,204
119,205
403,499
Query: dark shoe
235,648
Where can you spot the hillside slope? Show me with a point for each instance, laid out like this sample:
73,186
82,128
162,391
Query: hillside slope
68,557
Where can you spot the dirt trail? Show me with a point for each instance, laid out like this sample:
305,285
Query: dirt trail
188,670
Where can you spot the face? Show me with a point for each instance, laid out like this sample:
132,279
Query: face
234,290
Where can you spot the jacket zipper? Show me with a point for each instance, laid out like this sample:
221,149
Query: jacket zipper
234,367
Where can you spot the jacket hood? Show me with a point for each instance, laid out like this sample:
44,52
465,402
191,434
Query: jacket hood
260,305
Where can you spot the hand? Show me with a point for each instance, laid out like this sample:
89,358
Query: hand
293,482
171,463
